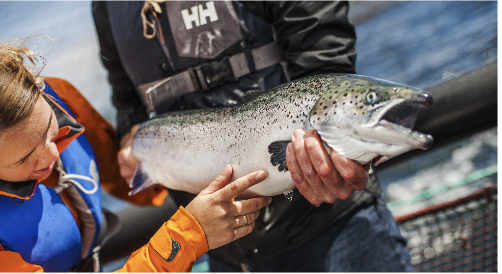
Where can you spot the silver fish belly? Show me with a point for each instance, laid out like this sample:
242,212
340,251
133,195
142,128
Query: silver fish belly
363,118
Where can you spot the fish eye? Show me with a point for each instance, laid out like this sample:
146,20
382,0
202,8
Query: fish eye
371,97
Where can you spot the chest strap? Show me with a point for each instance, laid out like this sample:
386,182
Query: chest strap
89,227
208,75
89,263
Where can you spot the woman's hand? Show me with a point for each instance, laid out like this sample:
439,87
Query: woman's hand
221,217
321,176
127,162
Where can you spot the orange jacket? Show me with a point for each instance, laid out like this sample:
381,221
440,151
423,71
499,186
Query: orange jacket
185,230
153,256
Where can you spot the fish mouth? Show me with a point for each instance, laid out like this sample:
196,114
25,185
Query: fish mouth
400,117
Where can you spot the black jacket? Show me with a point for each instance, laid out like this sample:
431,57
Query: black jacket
314,38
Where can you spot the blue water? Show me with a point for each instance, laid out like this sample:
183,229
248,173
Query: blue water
420,43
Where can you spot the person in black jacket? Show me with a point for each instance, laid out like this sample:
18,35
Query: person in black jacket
170,56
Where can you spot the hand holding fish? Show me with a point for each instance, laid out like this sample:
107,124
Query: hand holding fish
221,217
319,176
127,162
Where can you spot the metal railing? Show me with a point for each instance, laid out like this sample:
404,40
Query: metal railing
458,236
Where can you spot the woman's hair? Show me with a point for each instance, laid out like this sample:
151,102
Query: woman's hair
18,85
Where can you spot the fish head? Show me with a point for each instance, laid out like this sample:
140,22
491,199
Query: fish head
366,118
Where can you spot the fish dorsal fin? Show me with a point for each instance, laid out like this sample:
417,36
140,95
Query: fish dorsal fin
277,150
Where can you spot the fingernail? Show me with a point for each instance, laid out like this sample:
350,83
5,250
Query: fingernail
290,147
261,176
299,133
227,168
269,200
310,133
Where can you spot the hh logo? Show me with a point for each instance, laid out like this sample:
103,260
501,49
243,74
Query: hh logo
199,15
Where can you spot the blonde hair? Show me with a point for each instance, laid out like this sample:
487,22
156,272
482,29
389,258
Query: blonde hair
18,84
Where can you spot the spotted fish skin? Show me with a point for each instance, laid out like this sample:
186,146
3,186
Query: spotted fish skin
368,120
186,150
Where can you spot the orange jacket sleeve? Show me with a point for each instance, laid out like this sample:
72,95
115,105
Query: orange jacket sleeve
13,262
155,255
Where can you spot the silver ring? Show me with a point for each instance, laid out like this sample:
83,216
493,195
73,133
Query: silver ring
245,220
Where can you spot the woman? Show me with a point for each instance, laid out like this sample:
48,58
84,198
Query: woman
49,189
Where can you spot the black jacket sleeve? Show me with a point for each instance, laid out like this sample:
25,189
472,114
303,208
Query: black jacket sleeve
130,109
316,36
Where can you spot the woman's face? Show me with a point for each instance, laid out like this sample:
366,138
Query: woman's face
27,149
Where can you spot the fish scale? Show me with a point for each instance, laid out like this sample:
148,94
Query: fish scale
186,150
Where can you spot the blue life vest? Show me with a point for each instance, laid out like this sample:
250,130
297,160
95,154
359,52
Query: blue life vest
42,228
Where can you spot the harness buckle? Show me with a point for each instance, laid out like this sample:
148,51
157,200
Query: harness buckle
212,74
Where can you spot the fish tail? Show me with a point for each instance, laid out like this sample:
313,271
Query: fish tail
140,181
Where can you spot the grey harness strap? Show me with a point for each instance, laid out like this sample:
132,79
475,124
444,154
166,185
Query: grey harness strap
89,263
92,263
89,227
208,75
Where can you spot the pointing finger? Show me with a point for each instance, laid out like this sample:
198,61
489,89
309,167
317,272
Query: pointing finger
220,181
235,188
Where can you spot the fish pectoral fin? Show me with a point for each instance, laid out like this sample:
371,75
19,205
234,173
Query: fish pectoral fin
140,181
278,157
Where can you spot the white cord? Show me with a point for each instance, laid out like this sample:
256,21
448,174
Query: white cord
65,177
69,177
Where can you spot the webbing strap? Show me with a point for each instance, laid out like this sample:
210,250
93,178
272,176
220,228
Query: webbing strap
208,75
92,263
89,263
88,229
